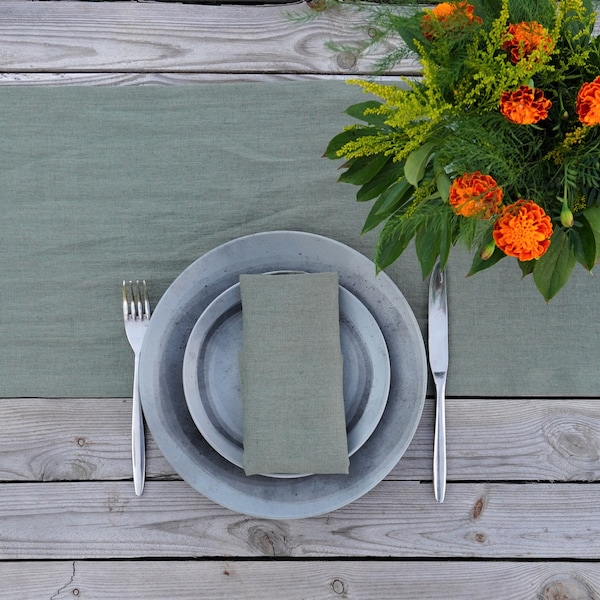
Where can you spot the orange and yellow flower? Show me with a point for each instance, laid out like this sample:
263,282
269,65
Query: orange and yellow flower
452,16
522,39
475,195
525,106
523,230
588,103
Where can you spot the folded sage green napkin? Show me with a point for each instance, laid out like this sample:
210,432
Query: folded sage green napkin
291,375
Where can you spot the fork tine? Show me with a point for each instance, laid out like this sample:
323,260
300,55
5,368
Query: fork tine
146,301
131,300
137,297
125,301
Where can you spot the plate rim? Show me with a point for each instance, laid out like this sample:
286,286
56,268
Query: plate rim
228,489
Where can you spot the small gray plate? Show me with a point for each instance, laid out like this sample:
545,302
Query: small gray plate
211,373
161,375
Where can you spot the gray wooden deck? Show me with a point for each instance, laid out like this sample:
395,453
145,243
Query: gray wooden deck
522,515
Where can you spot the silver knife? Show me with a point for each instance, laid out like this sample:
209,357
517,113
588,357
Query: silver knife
438,361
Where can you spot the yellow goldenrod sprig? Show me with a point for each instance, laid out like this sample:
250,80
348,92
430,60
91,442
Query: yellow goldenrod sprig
572,138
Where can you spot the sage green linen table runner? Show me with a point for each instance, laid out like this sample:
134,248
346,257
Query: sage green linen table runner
101,184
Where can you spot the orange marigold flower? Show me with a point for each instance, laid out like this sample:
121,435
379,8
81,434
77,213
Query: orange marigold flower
588,103
525,105
454,16
475,195
523,230
524,38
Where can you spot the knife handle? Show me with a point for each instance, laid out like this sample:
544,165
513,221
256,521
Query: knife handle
439,443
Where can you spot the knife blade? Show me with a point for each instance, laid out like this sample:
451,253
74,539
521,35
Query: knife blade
438,362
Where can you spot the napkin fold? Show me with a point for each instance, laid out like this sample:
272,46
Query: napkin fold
291,375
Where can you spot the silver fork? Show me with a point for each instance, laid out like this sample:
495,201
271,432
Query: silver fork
136,314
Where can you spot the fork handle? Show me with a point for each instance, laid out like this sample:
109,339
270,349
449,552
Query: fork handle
138,442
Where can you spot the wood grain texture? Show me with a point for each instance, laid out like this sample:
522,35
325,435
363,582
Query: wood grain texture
488,439
317,580
67,439
396,519
100,79
70,521
134,37
114,43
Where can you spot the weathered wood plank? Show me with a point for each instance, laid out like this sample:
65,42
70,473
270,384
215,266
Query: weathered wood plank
396,519
94,40
137,79
134,37
318,580
68,439
488,439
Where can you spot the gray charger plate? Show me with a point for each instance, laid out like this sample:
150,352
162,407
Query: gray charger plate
161,383
211,373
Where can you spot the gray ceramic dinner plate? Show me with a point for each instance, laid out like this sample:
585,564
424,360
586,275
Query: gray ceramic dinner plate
161,377
211,380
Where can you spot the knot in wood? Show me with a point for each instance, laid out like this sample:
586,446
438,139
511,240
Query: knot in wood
478,508
565,587
81,469
346,60
480,537
268,541
338,586
575,442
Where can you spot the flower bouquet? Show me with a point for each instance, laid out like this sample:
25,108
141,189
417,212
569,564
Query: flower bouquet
496,146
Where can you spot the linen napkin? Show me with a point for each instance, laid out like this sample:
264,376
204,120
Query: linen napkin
291,375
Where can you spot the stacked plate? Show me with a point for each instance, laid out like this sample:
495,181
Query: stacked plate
189,375
211,367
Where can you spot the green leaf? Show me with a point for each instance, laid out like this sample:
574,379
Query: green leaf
479,264
387,204
526,267
445,242
390,172
398,193
372,220
393,241
341,139
443,183
414,168
358,112
427,246
593,218
583,240
434,238
363,169
410,31
553,269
